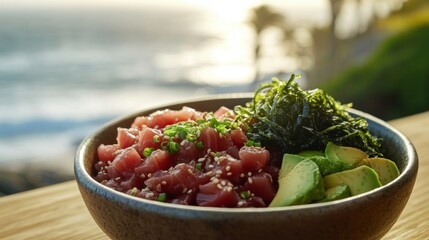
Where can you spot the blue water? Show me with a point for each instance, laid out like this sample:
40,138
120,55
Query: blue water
65,72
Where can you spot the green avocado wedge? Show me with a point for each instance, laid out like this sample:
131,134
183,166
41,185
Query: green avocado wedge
386,169
328,166
289,161
302,185
311,153
359,180
335,193
349,155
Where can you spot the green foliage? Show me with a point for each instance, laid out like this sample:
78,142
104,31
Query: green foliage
393,81
282,115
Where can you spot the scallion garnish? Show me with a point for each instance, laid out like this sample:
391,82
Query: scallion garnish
147,151
199,166
245,194
173,147
162,197
133,191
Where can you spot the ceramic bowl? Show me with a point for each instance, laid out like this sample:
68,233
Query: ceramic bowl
366,216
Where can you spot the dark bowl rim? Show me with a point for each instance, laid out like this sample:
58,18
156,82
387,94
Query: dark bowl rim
85,180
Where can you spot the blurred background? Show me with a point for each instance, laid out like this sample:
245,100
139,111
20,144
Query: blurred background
67,67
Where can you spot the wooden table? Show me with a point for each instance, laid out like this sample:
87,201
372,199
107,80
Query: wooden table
58,211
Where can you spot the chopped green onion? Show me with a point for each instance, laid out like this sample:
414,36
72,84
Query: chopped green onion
245,194
191,137
156,138
199,145
162,197
252,143
173,147
199,166
147,151
216,154
133,191
182,134
190,130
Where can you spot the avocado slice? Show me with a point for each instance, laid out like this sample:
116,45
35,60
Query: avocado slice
360,179
311,153
289,161
303,184
328,166
349,155
386,169
335,193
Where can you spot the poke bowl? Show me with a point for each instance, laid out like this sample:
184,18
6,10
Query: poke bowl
121,215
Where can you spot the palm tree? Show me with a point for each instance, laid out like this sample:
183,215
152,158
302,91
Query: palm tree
262,17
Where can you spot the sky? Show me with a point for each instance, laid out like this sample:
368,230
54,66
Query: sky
303,8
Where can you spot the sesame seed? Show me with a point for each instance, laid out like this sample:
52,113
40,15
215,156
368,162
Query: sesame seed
158,188
228,168
149,194
190,191
260,170
163,182
223,183
240,203
216,159
218,172
190,171
211,166
209,150
214,179
149,175
219,186
242,175
118,178
184,190
250,180
201,159
209,172
229,173
249,174
142,175
229,188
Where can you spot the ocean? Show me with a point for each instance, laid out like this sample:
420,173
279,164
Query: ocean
64,72
66,68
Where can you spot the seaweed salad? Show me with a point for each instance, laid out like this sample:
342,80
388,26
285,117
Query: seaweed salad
290,119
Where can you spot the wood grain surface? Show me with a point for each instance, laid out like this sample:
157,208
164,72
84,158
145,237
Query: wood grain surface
58,211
